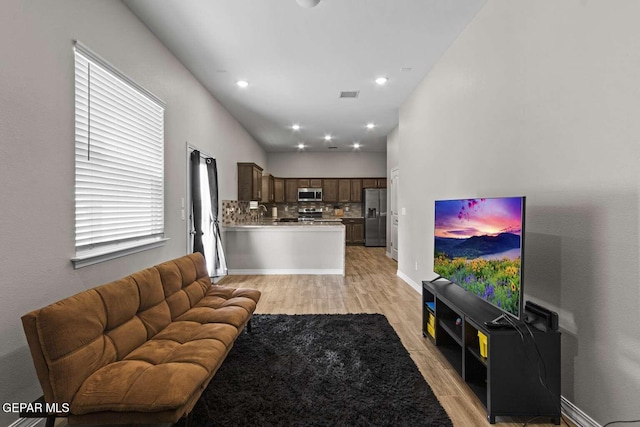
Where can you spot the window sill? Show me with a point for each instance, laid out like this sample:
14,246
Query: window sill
97,256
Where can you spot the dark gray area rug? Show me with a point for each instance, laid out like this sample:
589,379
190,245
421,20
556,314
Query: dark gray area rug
319,370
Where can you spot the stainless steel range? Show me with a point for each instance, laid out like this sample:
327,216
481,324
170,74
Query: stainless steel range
309,214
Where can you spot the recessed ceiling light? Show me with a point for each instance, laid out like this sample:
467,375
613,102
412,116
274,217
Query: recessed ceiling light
382,80
327,137
356,145
295,127
370,125
242,83
301,146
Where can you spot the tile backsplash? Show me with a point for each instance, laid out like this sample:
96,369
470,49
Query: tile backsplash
235,212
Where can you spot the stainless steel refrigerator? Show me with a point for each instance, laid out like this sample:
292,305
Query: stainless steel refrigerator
375,217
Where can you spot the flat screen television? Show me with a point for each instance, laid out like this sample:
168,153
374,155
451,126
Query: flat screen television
478,245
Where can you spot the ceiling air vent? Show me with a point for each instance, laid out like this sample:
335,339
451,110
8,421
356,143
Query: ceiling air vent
349,94
333,148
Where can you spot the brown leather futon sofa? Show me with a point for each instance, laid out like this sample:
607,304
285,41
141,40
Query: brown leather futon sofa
138,350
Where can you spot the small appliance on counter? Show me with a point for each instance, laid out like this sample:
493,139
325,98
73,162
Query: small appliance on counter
274,212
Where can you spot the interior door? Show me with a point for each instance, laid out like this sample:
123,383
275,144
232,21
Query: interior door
394,212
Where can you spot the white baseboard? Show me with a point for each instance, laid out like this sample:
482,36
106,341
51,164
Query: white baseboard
29,422
576,414
416,286
285,271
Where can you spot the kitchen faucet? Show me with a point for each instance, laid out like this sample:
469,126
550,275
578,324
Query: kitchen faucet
265,209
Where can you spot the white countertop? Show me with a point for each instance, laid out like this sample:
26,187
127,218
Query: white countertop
302,225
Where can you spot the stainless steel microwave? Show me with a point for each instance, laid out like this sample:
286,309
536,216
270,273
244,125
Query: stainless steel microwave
309,194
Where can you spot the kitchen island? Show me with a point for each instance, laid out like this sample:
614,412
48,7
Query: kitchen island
267,247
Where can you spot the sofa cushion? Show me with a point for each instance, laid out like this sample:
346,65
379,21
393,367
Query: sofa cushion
144,380
134,385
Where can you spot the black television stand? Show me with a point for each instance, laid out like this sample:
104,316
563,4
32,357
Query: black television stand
505,378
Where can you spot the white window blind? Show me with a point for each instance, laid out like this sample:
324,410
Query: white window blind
119,158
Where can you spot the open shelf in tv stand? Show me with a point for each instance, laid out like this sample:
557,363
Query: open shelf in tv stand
506,381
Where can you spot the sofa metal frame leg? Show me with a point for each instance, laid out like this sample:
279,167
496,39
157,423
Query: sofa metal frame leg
249,326
188,419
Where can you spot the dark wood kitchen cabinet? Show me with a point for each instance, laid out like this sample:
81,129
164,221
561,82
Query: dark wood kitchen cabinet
354,231
291,190
278,190
330,190
344,190
249,182
374,183
369,183
356,190
309,183
268,189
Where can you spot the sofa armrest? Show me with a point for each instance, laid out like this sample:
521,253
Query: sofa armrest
29,324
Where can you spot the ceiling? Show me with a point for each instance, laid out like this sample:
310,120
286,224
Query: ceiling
297,61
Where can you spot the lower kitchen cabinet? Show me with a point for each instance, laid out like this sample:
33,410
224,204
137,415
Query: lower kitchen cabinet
354,231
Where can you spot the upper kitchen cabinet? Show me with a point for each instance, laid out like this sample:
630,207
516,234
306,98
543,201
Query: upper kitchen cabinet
356,190
309,183
344,190
249,182
374,183
268,189
315,183
278,190
330,190
291,190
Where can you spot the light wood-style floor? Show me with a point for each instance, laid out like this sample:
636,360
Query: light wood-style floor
372,286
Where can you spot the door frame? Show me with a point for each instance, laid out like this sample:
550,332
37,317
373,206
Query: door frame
394,178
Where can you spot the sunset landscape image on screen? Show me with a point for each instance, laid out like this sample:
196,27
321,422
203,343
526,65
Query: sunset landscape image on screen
478,246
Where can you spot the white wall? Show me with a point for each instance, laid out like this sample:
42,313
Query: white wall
37,156
352,164
542,99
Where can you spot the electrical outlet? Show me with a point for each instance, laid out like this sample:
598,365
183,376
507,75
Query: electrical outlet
182,215
416,265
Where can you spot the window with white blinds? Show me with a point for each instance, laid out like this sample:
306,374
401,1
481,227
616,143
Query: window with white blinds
119,158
